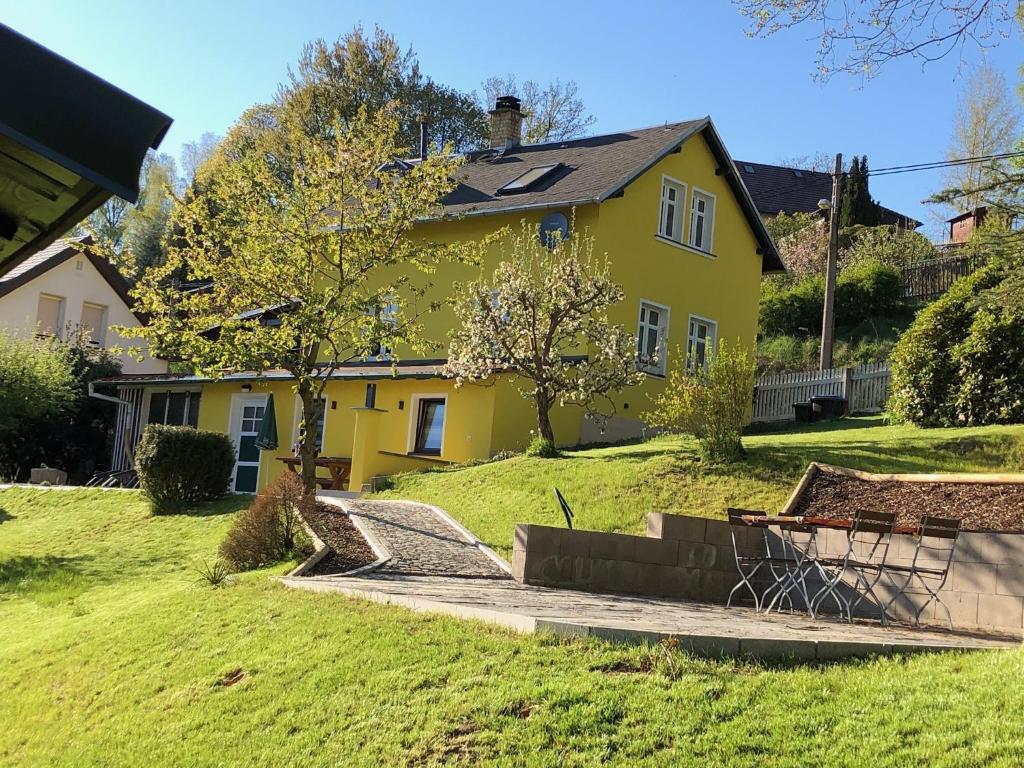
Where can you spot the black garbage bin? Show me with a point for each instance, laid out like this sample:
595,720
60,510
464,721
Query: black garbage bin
827,407
802,412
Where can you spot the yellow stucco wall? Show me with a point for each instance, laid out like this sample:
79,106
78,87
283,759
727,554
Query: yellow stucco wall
482,420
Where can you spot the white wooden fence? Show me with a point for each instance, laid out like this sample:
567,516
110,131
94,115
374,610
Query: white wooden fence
865,388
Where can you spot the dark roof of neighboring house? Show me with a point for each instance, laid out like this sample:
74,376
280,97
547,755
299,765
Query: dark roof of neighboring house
778,189
68,141
57,253
591,170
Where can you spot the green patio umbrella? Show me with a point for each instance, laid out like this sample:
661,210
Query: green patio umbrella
266,440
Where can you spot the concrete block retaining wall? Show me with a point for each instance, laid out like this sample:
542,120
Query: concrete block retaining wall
692,557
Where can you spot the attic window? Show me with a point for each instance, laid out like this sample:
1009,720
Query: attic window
798,174
529,179
748,168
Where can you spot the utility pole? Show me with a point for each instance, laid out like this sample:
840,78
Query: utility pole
828,319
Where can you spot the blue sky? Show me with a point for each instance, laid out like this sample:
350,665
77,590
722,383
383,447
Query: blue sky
636,63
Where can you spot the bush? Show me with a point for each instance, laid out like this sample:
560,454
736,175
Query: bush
712,404
990,365
867,290
182,466
791,308
542,449
926,375
269,531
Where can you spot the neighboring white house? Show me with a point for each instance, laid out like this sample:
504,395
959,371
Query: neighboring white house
60,289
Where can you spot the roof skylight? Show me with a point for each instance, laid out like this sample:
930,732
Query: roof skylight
532,177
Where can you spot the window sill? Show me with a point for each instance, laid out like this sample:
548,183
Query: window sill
685,247
652,374
422,456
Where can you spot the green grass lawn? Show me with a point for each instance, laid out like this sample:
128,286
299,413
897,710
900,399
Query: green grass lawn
613,489
113,655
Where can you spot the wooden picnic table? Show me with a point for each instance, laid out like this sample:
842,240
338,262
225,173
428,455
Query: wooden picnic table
339,466
792,521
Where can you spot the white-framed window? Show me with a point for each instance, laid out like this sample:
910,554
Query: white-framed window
426,427
651,337
670,222
94,323
386,314
702,220
321,419
701,341
50,314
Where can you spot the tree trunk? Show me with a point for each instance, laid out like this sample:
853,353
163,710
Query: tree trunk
307,441
543,403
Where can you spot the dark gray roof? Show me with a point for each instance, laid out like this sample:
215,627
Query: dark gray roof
593,169
68,141
778,189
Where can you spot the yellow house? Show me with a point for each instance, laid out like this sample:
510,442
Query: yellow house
683,237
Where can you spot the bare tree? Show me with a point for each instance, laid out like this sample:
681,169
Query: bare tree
195,153
820,161
553,112
987,122
859,38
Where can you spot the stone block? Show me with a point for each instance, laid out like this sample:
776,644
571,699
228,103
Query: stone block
717,532
613,546
973,577
573,543
656,551
971,548
539,539
1010,580
1000,611
716,586
677,527
963,608
693,555
518,564
47,476
1003,548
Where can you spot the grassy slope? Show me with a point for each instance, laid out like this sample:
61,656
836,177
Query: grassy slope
111,654
612,489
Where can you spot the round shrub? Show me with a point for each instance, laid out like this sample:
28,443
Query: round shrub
542,449
926,374
991,369
182,466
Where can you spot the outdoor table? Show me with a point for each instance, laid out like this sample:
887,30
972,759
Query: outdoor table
793,521
338,466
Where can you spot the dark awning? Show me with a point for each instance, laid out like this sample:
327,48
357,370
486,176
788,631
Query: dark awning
68,141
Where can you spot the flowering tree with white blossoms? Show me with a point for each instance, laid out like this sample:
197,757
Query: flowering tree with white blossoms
543,316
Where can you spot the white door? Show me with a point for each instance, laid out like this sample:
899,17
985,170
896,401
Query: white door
249,419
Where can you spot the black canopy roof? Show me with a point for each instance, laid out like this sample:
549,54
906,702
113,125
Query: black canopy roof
68,141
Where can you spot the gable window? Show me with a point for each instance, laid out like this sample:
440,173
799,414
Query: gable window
50,314
702,220
429,426
174,408
700,345
525,181
650,338
670,224
94,323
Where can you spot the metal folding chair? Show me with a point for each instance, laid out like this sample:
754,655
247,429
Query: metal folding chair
801,562
749,565
867,549
933,556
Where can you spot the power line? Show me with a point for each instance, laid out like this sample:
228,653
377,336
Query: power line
942,164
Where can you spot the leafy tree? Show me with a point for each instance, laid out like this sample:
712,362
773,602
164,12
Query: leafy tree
37,380
712,403
987,122
553,112
195,154
333,81
802,239
541,306
147,223
860,38
310,225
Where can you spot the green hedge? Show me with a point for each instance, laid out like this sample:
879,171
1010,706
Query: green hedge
181,466
862,291
949,351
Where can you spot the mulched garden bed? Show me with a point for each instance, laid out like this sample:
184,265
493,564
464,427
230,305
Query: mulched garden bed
349,549
981,506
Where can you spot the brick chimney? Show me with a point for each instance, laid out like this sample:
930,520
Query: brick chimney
506,122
